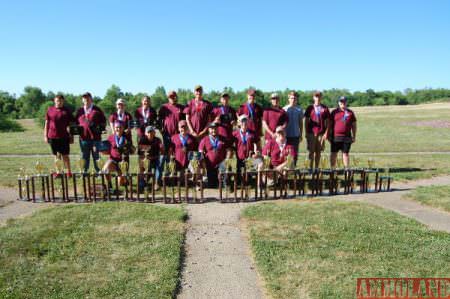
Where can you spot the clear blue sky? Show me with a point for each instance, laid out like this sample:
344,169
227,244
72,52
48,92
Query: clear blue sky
77,46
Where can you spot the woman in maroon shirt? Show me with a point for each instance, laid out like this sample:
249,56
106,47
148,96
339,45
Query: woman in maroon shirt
145,115
120,148
121,115
181,145
56,131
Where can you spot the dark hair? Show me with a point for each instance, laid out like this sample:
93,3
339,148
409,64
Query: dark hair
59,97
293,93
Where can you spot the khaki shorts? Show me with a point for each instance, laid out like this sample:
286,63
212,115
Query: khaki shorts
314,144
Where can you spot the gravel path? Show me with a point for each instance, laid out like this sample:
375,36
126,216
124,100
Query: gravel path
218,262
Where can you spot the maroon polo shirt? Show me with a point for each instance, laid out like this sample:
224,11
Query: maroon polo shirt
200,114
225,128
276,153
156,147
180,151
58,119
170,115
274,117
213,157
342,122
94,116
114,153
141,115
255,114
125,118
316,118
244,148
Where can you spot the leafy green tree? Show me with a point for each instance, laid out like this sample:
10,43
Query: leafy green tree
30,101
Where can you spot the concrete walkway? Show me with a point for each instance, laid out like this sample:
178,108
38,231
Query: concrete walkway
432,217
218,263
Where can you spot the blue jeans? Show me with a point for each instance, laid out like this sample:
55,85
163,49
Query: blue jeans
87,147
155,167
163,159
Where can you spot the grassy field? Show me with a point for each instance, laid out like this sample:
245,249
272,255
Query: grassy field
318,249
108,250
435,196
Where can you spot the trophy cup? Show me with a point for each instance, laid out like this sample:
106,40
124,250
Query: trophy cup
339,163
307,163
81,164
195,164
23,188
39,174
356,162
371,162
59,170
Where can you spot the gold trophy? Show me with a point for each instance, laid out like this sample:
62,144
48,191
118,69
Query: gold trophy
81,164
340,164
101,164
59,166
39,168
371,162
324,162
266,162
307,163
356,161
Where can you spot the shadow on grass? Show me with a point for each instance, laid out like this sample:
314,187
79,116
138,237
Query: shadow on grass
409,169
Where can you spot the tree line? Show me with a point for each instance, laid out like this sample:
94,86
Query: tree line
33,102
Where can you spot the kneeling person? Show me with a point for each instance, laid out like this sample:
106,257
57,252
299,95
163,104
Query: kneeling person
213,149
150,147
181,145
278,150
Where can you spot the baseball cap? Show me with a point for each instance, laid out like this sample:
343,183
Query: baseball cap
343,99
251,92
274,96
225,95
243,117
212,125
120,101
149,129
198,87
279,129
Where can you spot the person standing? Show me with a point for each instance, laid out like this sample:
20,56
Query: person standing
213,149
56,131
169,116
294,128
317,118
343,132
145,115
225,117
273,117
93,122
254,113
198,114
121,115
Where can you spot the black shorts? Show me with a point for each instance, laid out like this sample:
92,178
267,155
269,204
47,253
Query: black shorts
60,145
341,146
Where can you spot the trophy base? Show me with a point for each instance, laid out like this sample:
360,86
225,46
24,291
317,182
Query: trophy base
39,200
23,199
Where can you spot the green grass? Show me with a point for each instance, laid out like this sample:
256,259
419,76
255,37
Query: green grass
108,250
318,249
435,196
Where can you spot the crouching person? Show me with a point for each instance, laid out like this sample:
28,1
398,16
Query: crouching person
181,144
278,150
213,149
121,148
150,148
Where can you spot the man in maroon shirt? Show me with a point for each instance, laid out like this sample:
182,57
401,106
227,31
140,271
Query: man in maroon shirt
213,149
274,117
254,113
169,116
278,150
343,132
225,117
150,147
56,130
145,115
122,116
317,118
93,123
244,142
182,143
198,114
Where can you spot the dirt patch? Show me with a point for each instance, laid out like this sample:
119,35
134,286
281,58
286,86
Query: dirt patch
438,124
